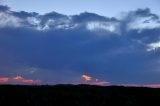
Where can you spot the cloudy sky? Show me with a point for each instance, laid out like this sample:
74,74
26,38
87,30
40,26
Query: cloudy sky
72,7
94,42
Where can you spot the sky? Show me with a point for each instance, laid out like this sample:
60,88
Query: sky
71,7
91,46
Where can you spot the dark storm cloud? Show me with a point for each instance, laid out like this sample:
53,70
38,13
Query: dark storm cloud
4,8
58,48
85,17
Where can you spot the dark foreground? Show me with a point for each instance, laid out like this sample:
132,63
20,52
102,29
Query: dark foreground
80,95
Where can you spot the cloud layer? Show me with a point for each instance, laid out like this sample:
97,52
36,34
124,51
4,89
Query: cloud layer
18,80
57,48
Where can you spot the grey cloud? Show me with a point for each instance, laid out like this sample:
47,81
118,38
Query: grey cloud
4,8
56,44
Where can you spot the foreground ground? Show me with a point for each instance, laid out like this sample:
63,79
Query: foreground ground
80,95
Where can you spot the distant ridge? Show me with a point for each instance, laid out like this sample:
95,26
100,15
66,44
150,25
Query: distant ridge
77,95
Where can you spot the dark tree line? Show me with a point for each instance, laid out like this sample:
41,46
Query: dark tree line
79,95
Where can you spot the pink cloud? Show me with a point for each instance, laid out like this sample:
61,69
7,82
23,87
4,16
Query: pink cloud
93,81
153,85
17,79
101,83
138,85
4,79
31,81
86,77
23,80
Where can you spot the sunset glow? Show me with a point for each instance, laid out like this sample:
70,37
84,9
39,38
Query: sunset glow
4,80
55,43
18,79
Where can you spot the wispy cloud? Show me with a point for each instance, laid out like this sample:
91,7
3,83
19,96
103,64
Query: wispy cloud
23,80
18,80
142,85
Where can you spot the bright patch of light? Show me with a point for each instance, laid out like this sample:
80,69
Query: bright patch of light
153,46
142,23
107,26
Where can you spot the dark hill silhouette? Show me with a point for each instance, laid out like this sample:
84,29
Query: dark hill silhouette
77,95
